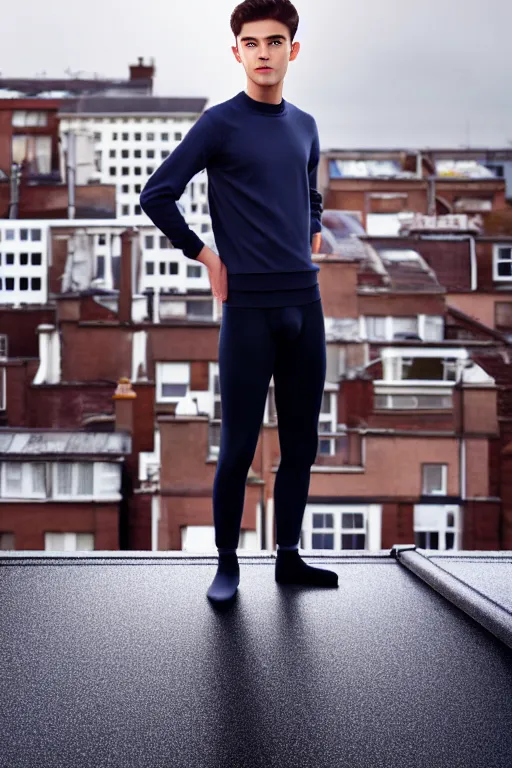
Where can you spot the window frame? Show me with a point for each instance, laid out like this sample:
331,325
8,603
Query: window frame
496,261
444,479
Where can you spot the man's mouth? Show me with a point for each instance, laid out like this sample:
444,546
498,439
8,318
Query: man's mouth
264,69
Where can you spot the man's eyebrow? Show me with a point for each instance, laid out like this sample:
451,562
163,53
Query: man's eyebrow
270,37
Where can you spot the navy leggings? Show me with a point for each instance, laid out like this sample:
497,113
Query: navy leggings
254,344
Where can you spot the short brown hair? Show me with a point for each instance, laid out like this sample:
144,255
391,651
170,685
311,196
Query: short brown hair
257,10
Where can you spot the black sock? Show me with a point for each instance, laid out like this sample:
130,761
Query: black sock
291,569
227,578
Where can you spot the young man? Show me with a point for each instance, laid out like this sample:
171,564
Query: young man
261,154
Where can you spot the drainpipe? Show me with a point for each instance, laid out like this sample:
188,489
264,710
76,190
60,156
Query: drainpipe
472,255
71,174
14,189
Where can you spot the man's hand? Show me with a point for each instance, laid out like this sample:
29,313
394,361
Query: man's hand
217,272
317,242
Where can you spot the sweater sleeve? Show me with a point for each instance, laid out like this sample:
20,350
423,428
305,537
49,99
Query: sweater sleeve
164,188
314,195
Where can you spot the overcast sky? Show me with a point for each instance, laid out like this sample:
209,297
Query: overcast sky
374,73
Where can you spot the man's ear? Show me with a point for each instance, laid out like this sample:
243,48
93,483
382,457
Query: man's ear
295,51
234,48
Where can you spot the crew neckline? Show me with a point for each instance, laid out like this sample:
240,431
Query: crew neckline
262,107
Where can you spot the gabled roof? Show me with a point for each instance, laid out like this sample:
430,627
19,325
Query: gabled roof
103,105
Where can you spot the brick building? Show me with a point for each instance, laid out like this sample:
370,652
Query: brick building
413,435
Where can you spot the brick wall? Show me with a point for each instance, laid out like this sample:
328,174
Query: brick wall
29,522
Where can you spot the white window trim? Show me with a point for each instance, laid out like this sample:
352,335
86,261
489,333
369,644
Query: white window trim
3,389
71,496
183,372
444,479
496,261
26,481
440,527
421,326
372,521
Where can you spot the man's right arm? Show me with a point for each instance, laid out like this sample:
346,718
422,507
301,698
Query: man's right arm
165,187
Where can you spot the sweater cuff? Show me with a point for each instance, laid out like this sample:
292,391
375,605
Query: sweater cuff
193,245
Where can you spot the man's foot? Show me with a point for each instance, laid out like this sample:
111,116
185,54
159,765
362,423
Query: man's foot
291,569
227,579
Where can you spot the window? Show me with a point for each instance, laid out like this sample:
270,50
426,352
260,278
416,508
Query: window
436,526
149,170
193,271
23,480
3,347
23,283
112,153
114,138
34,151
112,171
9,283
73,479
9,258
138,171
97,136
150,153
35,235
125,153
2,384
150,136
25,118
125,189
334,528
412,400
502,262
125,210
404,325
178,136
164,242
164,153
137,153
162,267
173,267
137,188
434,479
36,259
23,259
137,210
125,136
138,137
433,329
164,136
23,234
35,283
149,241
173,381
376,328
68,542
125,171
150,267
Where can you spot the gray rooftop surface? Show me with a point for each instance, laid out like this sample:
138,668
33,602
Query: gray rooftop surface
119,659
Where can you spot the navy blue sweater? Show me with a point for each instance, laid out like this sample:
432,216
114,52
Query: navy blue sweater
262,161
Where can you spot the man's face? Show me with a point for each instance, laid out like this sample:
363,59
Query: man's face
265,43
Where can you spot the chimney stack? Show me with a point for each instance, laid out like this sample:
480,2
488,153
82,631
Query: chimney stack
143,71
129,273
124,398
